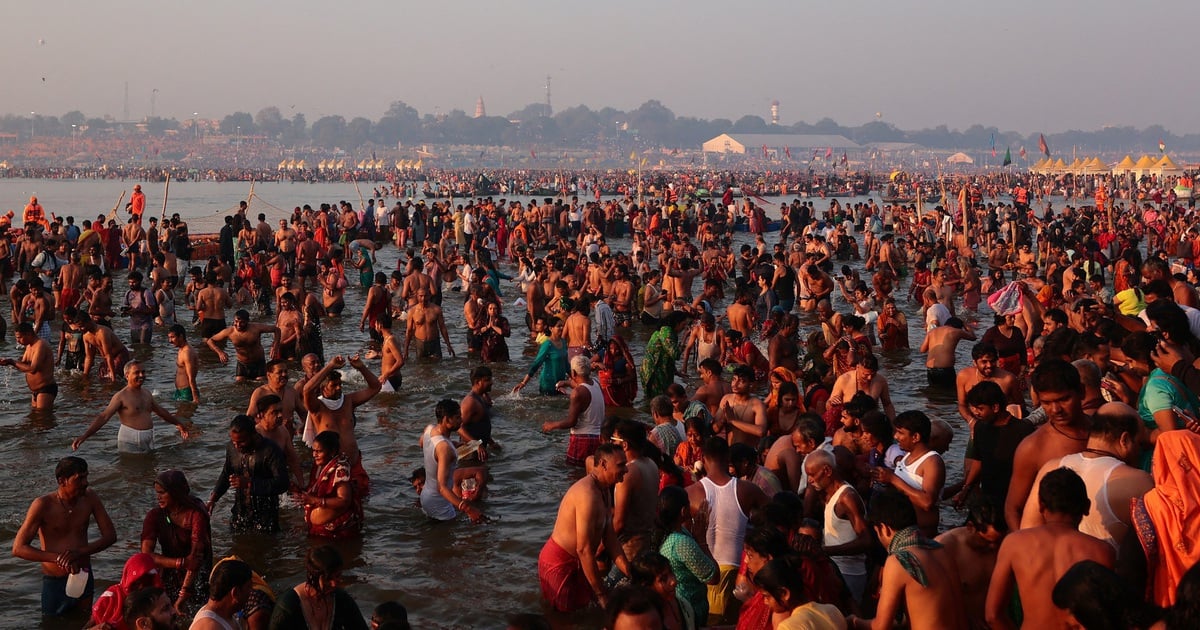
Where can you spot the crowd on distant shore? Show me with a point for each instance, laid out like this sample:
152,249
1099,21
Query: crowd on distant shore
783,490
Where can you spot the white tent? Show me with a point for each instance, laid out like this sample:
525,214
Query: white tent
960,158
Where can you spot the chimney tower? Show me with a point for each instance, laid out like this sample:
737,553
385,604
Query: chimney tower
480,112
775,113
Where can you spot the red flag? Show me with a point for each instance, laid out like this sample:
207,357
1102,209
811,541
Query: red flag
764,150
828,153
788,152
1042,145
532,154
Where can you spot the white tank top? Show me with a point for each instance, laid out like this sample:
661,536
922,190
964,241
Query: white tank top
593,417
839,531
205,613
726,522
908,472
432,502
1095,472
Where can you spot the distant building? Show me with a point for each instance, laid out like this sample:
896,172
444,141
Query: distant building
480,112
742,143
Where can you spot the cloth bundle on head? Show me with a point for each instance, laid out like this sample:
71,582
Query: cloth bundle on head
1007,301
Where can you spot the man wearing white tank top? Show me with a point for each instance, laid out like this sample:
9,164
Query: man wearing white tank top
1104,467
847,535
921,474
725,503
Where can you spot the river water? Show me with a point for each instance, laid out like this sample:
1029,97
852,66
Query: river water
448,575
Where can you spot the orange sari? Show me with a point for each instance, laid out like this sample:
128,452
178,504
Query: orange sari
1167,518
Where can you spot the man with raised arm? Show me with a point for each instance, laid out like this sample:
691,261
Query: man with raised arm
329,409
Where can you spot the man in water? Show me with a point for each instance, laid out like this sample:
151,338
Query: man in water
37,363
973,548
940,345
133,406
277,385
584,415
141,307
187,365
442,499
391,357
268,421
743,413
210,305
331,410
425,322
985,367
98,339
247,342
150,609
569,571
476,410
256,468
60,520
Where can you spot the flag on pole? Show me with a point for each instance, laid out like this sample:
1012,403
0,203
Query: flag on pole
828,153
1043,146
788,152
633,155
1007,157
1022,153
1162,146
993,144
532,154
764,150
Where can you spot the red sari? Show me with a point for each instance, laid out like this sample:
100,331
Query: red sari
324,485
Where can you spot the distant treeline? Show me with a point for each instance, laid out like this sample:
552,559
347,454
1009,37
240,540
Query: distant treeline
650,125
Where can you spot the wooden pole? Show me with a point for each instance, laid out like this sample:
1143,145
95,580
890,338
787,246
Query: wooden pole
113,213
361,204
166,193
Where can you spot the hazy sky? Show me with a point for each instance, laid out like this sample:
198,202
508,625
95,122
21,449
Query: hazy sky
1022,65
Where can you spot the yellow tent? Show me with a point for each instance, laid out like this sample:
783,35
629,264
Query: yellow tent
341,164
282,165
1145,163
1166,167
300,164
1125,165
1075,166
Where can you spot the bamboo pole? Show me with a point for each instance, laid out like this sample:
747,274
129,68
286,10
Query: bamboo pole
166,193
113,213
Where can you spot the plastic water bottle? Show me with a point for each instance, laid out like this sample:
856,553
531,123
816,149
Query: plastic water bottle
470,489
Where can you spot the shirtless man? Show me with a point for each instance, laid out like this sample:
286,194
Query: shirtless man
132,405
816,286
211,302
865,378
268,421
331,410
187,365
973,548
277,385
714,388
1036,558
307,253
415,280
392,358
1060,393
985,368
743,414
940,346
570,574
37,363
71,279
425,322
931,593
247,344
535,295
635,499
100,340
578,329
285,243
61,521
741,314
623,294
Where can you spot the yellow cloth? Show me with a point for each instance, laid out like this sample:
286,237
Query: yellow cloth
721,602
814,616
1130,302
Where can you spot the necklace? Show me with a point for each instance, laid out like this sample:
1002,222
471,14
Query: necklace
69,508
1101,452
1067,435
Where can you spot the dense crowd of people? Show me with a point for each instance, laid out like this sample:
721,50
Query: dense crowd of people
792,495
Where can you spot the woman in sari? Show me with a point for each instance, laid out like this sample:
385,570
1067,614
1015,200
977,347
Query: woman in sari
551,359
618,380
331,507
1167,518
658,365
495,348
180,527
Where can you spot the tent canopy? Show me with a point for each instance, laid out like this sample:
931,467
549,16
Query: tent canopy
960,158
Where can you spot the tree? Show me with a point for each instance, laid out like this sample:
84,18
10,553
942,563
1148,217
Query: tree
230,123
400,124
329,131
652,120
750,124
270,122
358,132
74,117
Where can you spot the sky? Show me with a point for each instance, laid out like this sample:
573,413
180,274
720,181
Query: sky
1021,65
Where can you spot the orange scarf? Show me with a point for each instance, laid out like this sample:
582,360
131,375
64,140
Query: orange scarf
1167,519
